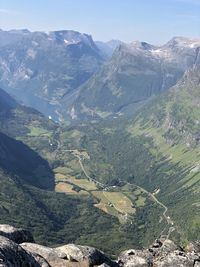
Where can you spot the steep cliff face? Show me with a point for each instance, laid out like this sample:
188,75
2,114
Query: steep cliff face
135,73
6,102
40,68
163,253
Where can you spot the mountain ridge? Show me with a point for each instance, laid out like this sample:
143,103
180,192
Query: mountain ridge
136,72
39,68
65,75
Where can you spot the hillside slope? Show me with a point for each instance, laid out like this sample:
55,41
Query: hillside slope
18,159
157,150
27,168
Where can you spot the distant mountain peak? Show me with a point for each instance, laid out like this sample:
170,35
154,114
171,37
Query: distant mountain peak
39,68
184,42
142,45
135,73
107,48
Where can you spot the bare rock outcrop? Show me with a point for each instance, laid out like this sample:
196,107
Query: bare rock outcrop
13,255
17,249
83,253
162,253
18,235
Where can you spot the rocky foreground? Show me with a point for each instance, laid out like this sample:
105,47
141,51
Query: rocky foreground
17,249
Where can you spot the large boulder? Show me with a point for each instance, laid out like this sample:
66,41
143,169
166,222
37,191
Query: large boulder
49,254
84,253
136,258
45,252
17,235
169,246
177,259
162,253
68,255
13,255
163,247
193,246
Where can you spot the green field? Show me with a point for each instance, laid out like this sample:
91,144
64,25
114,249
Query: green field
83,183
37,131
114,203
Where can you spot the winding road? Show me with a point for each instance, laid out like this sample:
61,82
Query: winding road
103,186
168,220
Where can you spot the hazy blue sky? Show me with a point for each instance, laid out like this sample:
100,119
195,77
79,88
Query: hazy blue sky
153,21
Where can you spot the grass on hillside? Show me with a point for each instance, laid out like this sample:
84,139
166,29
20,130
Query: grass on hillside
178,153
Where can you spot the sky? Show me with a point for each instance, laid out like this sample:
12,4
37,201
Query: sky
153,21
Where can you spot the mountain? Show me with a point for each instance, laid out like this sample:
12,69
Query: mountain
107,48
157,152
40,68
136,73
169,127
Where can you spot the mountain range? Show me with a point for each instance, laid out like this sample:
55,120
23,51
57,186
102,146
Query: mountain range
66,75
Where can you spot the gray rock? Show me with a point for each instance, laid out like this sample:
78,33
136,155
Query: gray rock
169,246
157,244
43,251
13,255
69,255
163,247
17,235
136,258
42,262
49,254
193,246
83,253
163,253
176,259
